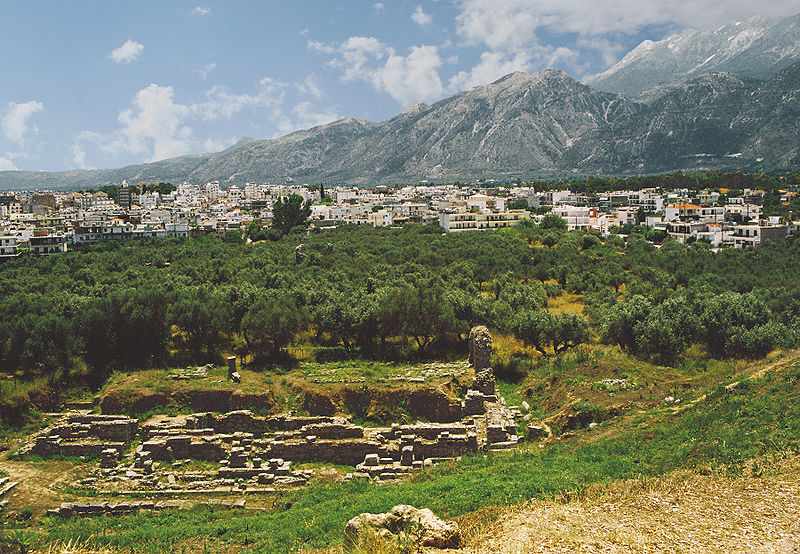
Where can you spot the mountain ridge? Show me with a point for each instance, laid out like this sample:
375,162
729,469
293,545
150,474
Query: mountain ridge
521,125
756,48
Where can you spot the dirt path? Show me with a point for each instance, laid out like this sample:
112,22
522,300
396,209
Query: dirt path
40,483
683,512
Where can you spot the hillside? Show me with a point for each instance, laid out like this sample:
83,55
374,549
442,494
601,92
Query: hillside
684,511
542,124
756,48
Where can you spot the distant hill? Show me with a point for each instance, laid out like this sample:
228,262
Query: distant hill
541,124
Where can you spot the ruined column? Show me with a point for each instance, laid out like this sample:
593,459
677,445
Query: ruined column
480,353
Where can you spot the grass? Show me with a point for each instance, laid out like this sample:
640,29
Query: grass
757,420
149,392
566,303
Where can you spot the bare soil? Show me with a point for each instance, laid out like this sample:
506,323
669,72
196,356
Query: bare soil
40,483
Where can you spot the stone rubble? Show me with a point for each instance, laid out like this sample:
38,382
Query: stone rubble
240,451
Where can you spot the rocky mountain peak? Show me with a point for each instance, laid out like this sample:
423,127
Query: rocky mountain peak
756,48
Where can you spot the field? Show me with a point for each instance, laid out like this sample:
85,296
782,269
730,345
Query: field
646,375
749,431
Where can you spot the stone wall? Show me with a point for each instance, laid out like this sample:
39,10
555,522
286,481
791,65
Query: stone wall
78,434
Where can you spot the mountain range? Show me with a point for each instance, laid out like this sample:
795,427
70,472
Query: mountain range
659,109
756,48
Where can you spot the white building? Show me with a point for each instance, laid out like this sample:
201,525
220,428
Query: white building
472,221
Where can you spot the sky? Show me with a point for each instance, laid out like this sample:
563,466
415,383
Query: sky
99,84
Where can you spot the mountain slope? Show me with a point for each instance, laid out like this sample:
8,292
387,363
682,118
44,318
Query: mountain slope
755,48
687,128
520,123
542,124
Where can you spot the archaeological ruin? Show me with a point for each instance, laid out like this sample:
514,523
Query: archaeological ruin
245,452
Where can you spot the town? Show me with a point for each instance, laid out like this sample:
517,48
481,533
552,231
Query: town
44,223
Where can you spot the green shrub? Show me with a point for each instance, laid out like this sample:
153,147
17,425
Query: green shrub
325,354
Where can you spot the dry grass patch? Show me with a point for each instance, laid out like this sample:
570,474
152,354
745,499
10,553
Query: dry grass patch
72,547
566,303
681,512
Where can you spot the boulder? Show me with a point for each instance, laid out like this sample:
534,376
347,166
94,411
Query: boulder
406,524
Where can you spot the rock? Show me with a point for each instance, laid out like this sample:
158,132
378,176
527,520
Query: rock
372,460
317,403
406,524
407,455
535,431
484,382
480,347
299,253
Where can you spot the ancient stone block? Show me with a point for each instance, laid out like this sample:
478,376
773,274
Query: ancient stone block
480,347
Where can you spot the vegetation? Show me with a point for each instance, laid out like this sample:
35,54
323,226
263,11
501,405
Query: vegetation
757,421
388,294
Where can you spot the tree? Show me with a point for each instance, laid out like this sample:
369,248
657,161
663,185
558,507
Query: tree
667,330
201,315
552,221
271,324
550,239
290,212
611,273
622,319
738,325
568,331
534,328
518,204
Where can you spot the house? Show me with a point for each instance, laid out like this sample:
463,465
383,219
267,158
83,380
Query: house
577,217
471,221
9,246
682,211
45,243
683,230
756,234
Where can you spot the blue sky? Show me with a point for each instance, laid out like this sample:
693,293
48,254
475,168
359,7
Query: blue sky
98,84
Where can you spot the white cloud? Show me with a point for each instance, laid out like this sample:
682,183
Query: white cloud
491,67
6,164
610,52
519,34
15,120
408,79
200,10
309,115
158,127
205,70
310,86
306,116
420,17
221,103
320,47
502,21
154,124
356,53
217,145
126,53
79,155
413,78
378,6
